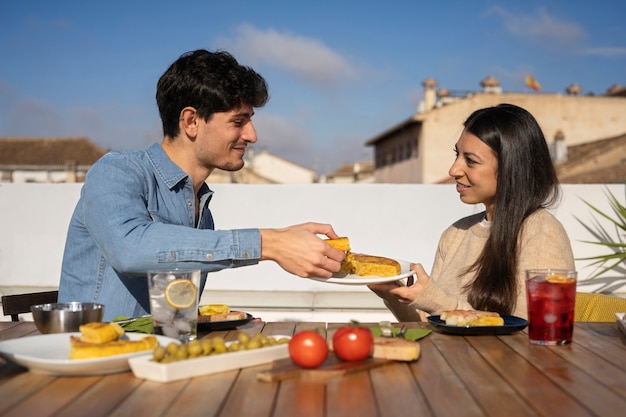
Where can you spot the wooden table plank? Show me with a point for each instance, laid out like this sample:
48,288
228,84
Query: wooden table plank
52,397
491,391
581,387
397,393
17,385
248,397
115,388
351,395
301,398
439,382
203,396
546,397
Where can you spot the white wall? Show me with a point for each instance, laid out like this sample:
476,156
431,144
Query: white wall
403,221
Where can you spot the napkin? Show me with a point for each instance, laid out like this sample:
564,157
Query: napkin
410,334
138,325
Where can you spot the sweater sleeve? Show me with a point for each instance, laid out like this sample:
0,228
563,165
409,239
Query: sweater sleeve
543,244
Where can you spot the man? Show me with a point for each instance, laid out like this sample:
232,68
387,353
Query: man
148,210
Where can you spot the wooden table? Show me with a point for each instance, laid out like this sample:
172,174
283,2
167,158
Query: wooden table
455,376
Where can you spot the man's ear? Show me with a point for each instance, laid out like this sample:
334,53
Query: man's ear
188,121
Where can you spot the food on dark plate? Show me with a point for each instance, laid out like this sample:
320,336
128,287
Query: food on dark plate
471,318
219,312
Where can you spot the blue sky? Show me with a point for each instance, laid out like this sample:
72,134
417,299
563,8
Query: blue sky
340,72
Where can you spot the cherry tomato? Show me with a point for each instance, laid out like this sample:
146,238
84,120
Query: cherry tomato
353,343
308,349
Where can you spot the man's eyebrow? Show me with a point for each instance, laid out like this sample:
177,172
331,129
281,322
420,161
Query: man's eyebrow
244,114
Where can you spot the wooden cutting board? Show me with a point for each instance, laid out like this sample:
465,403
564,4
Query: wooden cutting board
332,367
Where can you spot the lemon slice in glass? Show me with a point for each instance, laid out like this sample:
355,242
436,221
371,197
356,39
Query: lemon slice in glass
181,293
559,279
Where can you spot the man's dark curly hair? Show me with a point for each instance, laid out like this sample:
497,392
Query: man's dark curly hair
210,82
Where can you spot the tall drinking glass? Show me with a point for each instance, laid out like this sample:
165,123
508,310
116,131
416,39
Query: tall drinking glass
551,296
174,303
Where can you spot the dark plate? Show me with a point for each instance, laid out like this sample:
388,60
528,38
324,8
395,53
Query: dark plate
223,325
511,324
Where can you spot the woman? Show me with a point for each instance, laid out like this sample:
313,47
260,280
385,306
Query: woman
502,161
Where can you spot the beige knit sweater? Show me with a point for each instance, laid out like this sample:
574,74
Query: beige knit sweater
543,243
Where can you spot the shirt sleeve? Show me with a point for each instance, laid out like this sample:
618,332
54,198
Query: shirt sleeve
118,211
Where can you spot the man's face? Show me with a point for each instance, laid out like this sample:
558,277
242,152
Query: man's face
222,140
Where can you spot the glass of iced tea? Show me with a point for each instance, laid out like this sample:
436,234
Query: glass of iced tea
551,296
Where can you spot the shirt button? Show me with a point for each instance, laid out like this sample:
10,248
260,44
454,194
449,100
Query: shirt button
246,254
209,256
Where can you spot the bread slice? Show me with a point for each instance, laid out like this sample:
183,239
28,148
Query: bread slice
364,265
86,350
395,349
100,332
342,243
378,266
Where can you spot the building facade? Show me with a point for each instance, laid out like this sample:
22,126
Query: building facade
420,148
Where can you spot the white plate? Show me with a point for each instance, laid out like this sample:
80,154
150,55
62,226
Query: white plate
144,367
350,279
48,354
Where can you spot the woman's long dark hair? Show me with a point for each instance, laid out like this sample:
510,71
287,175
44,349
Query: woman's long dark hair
527,181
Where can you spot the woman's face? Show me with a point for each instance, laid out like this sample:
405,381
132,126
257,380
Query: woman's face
475,171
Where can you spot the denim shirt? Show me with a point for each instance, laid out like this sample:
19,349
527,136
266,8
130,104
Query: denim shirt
136,213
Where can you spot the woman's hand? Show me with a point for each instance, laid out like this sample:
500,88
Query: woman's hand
404,294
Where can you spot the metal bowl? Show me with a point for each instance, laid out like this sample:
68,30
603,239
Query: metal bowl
65,317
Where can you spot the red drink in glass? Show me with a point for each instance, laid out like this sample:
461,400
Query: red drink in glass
551,296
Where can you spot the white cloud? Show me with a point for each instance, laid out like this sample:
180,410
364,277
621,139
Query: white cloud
604,51
540,27
307,59
284,137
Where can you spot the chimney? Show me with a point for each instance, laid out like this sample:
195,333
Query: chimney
491,85
430,93
559,147
573,90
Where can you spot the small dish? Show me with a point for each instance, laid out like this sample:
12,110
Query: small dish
511,324
210,326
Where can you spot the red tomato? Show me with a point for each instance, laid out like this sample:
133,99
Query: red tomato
353,343
308,349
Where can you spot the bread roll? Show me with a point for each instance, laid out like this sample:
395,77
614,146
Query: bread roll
395,349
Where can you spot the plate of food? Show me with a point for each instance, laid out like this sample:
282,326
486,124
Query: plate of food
213,317
362,269
49,354
476,323
375,276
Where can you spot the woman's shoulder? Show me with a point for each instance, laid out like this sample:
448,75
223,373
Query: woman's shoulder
542,216
468,221
543,221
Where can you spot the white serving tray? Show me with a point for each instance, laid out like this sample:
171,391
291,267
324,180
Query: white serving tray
143,366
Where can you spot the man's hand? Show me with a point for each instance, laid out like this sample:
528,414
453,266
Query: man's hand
300,251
